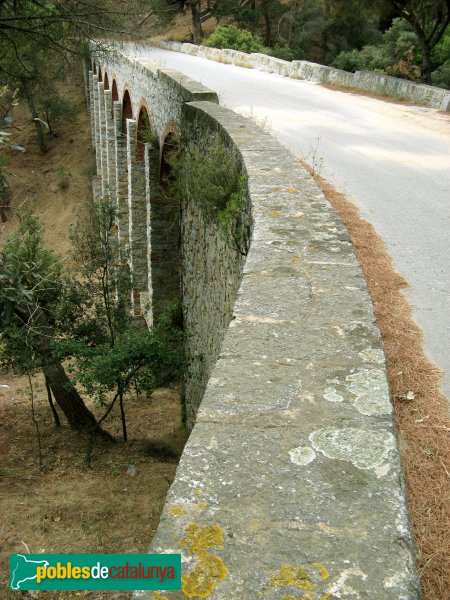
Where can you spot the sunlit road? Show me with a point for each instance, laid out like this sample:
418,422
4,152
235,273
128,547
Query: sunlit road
392,161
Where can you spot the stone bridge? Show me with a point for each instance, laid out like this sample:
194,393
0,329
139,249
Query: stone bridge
290,485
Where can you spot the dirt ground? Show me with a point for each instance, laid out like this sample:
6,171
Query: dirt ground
67,507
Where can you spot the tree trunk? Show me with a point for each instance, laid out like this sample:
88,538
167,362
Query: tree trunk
268,23
426,62
66,396
196,21
34,114
64,392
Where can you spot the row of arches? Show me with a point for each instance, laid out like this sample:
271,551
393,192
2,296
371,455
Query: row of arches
143,187
145,131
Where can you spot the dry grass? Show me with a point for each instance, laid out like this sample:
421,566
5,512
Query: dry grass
387,96
423,423
68,508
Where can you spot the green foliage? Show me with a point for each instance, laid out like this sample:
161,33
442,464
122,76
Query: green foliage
236,39
398,55
144,359
35,273
8,100
31,281
55,108
441,76
214,182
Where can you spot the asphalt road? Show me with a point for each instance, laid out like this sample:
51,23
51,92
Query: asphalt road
392,161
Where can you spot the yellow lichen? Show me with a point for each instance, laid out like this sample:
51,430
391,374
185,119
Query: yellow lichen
197,584
275,213
198,491
177,510
293,576
324,573
203,505
210,569
296,260
325,596
292,190
159,596
200,538
213,565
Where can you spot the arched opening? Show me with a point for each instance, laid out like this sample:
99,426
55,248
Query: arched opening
143,133
166,233
94,68
114,91
127,110
106,82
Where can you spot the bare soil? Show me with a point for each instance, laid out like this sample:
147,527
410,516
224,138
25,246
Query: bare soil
66,507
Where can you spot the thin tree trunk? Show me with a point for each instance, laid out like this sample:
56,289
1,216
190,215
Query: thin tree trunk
196,21
66,395
52,406
426,62
64,392
34,114
123,418
268,23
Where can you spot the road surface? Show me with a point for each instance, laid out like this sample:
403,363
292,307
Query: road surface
392,161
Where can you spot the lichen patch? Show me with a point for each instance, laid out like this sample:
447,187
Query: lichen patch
364,448
302,455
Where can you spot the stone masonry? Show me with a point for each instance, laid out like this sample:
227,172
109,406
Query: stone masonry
290,485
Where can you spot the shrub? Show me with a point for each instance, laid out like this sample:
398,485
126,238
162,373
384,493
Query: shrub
352,61
235,39
441,76
283,53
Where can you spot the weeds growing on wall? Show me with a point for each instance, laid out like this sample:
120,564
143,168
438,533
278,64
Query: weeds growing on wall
215,182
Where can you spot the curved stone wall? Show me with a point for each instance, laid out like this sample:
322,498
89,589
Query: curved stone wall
290,485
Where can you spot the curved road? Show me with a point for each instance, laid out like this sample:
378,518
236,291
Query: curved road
392,161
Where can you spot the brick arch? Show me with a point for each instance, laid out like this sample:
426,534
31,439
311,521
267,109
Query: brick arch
169,149
106,81
127,109
114,91
144,130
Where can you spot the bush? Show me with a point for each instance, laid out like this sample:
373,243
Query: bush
352,61
235,39
441,76
283,53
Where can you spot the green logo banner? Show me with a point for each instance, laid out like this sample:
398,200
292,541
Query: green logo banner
95,571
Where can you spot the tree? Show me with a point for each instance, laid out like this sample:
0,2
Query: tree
429,19
39,39
31,284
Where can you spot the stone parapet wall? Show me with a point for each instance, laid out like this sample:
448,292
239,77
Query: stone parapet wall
290,485
363,80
